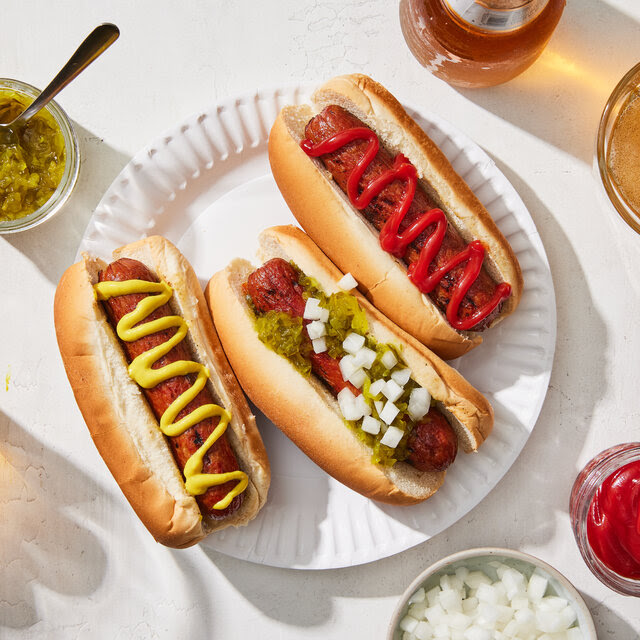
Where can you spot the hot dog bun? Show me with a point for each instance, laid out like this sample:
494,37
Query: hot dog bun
120,420
352,243
305,410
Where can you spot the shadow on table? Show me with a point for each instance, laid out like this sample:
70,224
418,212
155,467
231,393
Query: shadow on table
608,624
52,246
560,98
578,379
41,543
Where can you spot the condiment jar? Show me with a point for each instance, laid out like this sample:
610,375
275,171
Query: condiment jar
587,506
478,43
72,161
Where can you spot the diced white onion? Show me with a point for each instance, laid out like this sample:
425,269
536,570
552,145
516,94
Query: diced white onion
357,378
408,624
389,412
520,602
347,282
537,586
423,631
379,405
418,596
392,390
365,357
353,343
392,437
347,404
487,593
353,407
417,610
401,376
312,310
319,345
432,596
450,600
377,387
476,578
389,359
435,615
316,329
371,425
347,366
324,315
477,633
419,404
362,405
470,606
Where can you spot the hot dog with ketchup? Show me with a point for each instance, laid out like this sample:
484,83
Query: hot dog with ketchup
383,203
157,394
364,400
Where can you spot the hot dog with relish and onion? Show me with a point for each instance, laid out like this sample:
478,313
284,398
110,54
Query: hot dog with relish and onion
360,397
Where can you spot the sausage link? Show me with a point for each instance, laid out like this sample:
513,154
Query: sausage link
274,287
432,444
220,457
334,119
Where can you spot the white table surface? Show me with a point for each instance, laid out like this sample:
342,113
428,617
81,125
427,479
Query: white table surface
74,560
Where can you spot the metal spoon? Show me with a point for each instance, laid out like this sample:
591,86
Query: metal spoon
98,41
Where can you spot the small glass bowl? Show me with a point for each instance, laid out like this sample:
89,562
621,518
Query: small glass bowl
584,488
479,560
72,162
615,104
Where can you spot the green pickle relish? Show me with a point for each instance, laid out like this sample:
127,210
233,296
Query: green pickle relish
285,335
31,170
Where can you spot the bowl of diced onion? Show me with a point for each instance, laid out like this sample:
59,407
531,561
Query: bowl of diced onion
491,594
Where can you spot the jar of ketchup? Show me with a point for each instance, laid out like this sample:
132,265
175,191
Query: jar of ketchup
605,516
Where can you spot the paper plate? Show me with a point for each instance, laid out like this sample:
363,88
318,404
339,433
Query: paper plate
206,186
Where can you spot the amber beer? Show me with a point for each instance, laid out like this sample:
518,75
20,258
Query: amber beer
618,148
478,43
624,152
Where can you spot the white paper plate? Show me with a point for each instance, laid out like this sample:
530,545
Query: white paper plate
206,186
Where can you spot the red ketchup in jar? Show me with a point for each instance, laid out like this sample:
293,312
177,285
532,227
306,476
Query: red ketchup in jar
613,521
605,517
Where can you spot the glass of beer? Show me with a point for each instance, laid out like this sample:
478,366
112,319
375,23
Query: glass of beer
617,154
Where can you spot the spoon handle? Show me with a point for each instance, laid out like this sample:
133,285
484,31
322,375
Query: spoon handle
98,41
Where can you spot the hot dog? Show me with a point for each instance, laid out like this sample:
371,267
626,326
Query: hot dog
432,444
350,365
383,203
174,429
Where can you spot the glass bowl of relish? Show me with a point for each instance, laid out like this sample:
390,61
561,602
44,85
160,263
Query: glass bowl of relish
605,517
39,170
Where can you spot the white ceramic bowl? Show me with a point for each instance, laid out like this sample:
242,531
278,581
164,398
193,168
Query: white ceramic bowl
478,560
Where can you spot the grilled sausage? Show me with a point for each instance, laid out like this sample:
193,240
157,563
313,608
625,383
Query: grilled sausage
220,457
334,119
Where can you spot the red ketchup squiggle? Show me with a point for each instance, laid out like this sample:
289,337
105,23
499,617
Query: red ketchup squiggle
397,243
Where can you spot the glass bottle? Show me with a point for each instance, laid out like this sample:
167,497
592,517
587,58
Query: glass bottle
478,43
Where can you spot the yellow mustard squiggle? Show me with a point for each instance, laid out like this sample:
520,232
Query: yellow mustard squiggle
141,371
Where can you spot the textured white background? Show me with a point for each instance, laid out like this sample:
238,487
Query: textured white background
74,561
